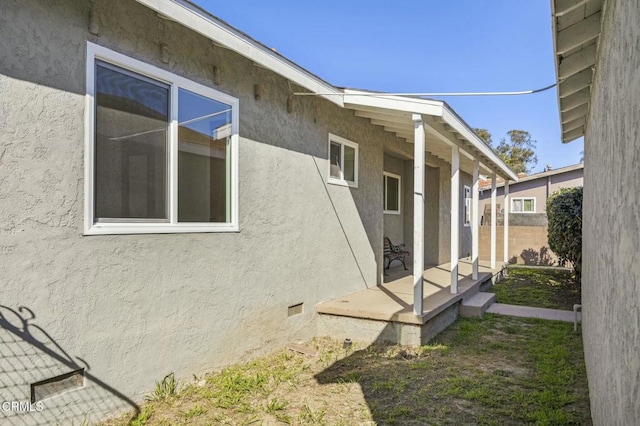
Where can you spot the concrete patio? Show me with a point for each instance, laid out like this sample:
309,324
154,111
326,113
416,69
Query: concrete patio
385,312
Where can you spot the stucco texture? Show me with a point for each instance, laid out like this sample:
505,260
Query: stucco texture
132,308
611,272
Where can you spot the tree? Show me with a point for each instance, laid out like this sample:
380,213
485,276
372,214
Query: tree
484,135
564,215
518,152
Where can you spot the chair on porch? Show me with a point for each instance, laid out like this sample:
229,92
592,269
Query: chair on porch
392,252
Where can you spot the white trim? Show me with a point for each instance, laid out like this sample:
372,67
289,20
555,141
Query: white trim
453,120
342,142
522,199
225,35
494,220
418,212
468,201
357,98
505,245
175,82
360,99
399,178
475,231
455,217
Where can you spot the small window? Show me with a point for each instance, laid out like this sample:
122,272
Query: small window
161,150
343,161
467,206
523,205
392,188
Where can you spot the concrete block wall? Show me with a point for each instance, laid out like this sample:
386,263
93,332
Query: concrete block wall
528,245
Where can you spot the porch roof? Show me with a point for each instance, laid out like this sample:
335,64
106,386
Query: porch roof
576,30
443,126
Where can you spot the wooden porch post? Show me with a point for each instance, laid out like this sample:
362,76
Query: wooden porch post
475,223
455,216
494,216
418,212
507,208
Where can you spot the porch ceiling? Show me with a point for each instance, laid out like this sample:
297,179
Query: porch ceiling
576,29
443,127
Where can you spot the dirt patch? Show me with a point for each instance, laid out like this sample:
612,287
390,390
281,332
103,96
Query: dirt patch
499,370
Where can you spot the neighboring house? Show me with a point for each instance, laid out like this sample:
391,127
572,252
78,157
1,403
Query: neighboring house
527,213
168,204
529,195
597,47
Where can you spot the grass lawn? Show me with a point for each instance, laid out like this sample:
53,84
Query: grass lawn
538,287
496,371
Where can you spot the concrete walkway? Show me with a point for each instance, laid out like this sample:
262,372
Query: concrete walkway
529,312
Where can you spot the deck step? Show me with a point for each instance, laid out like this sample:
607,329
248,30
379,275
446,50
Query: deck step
477,305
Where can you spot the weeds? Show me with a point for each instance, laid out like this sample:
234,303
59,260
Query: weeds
495,371
164,389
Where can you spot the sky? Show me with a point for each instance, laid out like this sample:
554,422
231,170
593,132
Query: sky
425,46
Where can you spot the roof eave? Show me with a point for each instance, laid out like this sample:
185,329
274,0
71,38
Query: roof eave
434,108
194,18
575,50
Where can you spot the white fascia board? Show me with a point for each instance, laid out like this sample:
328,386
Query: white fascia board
463,129
556,61
232,39
355,98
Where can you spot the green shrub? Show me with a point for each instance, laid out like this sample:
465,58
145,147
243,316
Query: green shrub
564,212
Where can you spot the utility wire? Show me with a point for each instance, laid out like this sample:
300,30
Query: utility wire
423,94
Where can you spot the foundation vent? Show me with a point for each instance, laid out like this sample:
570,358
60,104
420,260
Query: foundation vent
295,309
57,385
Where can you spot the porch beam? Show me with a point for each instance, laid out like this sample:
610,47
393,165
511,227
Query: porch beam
507,208
418,212
475,222
455,217
384,117
494,217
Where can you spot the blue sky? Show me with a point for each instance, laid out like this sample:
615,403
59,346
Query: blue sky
424,46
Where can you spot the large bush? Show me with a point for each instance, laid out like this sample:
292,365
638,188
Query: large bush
564,212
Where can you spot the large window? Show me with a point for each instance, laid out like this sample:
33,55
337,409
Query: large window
343,161
467,206
523,205
161,150
392,188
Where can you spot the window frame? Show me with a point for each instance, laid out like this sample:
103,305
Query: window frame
342,142
386,175
468,205
175,82
523,199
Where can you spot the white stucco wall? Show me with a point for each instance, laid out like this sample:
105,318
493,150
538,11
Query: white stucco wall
611,222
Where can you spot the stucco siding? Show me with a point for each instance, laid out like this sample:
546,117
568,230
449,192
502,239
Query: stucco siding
136,307
433,222
570,179
611,222
394,223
